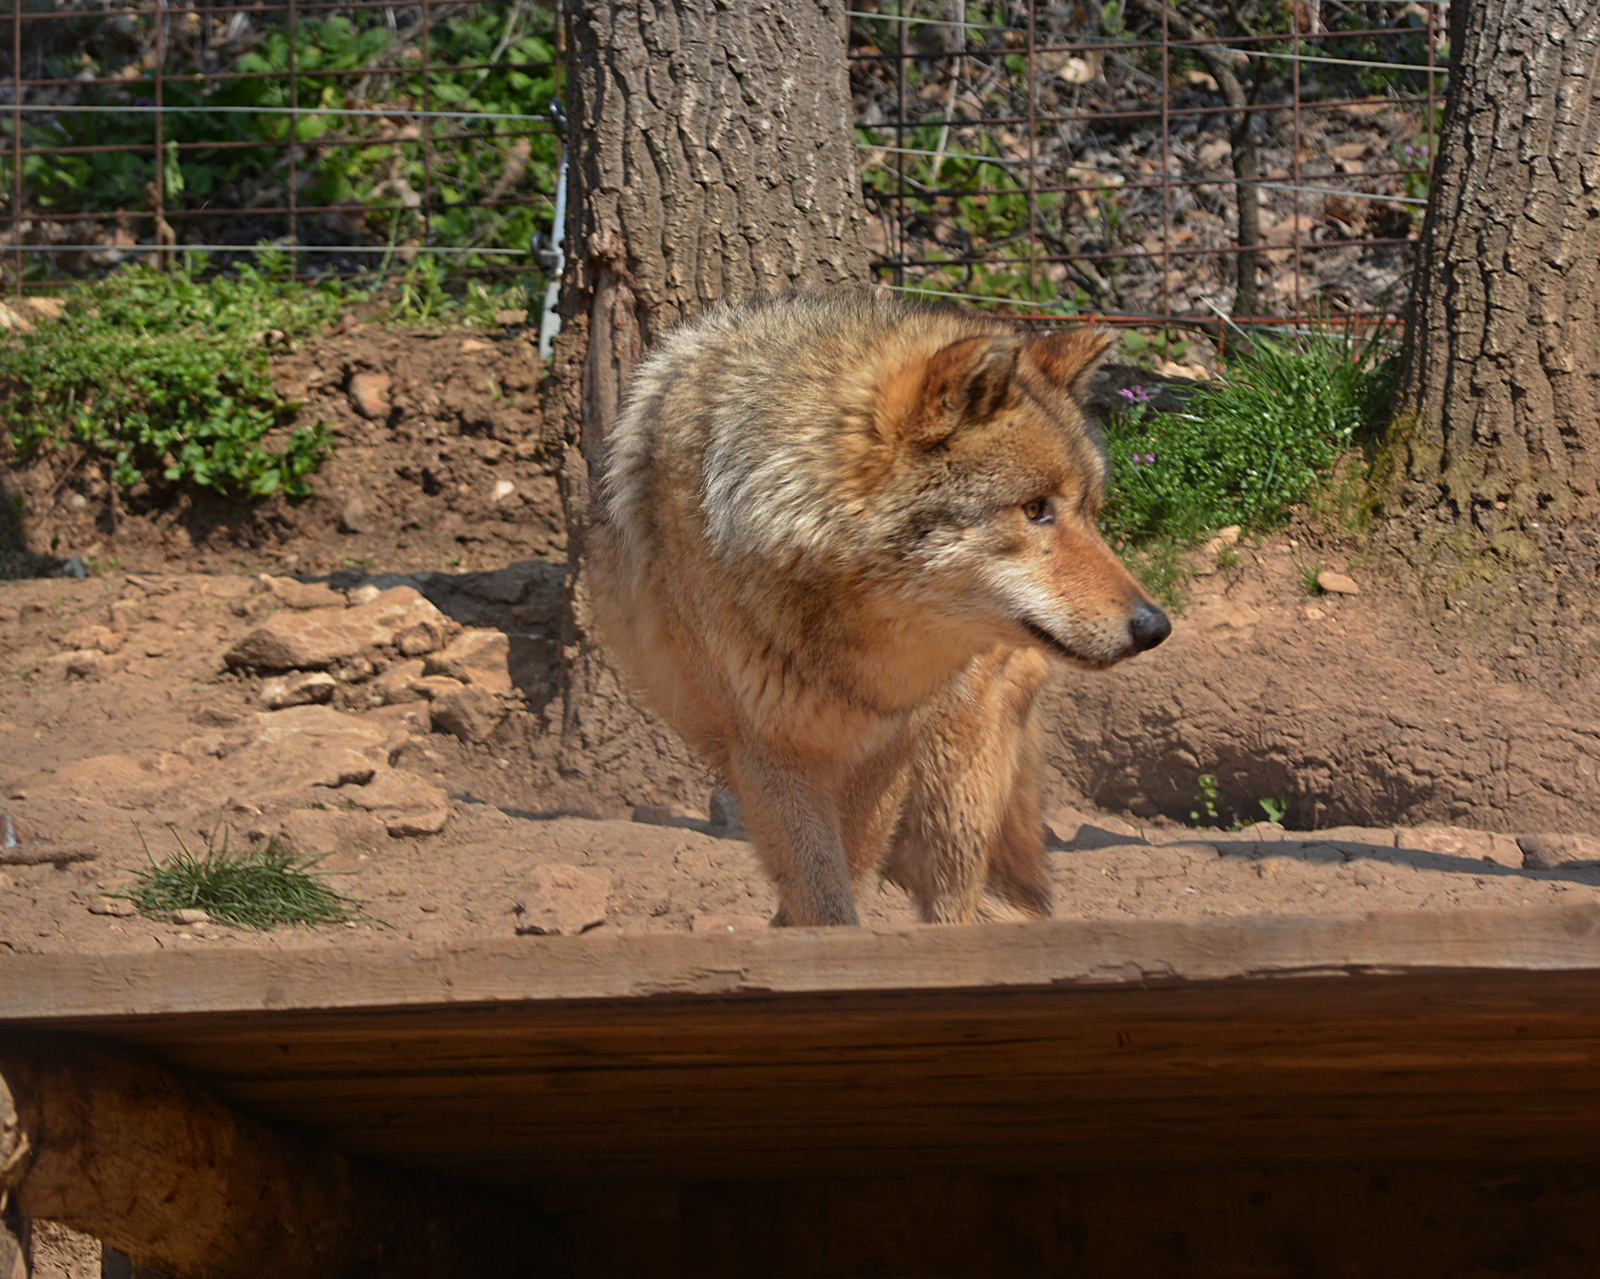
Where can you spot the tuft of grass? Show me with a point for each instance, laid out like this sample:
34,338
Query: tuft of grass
1309,572
1245,449
258,887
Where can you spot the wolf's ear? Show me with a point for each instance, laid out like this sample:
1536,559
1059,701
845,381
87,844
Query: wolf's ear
1070,359
969,381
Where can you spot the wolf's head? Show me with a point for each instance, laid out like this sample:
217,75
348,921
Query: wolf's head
989,479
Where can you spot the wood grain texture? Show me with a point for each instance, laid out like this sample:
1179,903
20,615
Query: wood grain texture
847,1052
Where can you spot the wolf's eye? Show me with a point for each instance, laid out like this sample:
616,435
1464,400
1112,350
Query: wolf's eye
1038,510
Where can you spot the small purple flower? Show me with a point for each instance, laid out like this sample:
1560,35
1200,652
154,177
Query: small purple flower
1135,394
1411,150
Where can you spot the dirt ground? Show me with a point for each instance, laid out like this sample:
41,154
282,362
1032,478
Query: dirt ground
136,710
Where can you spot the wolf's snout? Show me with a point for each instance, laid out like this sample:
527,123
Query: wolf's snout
1148,626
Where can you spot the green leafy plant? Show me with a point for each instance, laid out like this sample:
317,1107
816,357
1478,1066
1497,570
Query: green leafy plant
1244,449
1275,809
258,887
495,61
165,375
1204,813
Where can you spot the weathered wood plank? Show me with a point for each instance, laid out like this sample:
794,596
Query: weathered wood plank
533,1062
596,966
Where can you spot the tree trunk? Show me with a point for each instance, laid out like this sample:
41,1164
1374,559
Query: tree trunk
1499,428
710,159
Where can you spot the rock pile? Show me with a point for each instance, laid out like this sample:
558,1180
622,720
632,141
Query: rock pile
375,648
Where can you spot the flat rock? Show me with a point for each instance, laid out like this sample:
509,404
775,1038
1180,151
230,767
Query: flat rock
120,907
561,899
1337,583
430,822
1546,852
477,656
300,689
1457,841
318,638
299,595
321,832
397,789
470,713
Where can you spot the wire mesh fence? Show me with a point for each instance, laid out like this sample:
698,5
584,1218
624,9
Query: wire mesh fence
351,136
1146,162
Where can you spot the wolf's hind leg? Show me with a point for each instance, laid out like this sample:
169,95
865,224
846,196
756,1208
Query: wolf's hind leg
795,830
971,819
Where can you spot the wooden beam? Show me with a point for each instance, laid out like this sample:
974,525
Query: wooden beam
112,1144
61,989
536,1062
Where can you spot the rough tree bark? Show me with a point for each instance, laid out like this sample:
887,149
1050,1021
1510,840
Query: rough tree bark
710,159
1493,460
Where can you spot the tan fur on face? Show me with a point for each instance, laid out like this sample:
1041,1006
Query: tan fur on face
813,556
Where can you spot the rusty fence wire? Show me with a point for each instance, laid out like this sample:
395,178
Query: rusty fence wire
1149,163
347,136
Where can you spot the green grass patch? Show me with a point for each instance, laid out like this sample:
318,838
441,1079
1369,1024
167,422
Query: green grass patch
1245,449
258,887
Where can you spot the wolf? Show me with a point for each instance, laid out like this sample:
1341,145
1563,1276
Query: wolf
836,540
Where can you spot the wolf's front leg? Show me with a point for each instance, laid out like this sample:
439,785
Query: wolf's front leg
794,825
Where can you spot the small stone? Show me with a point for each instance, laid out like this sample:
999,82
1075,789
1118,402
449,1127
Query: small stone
510,316
369,395
354,518
477,656
397,890
502,490
120,907
470,713
190,915
401,825
364,594
1312,613
92,664
1337,583
422,638
472,346
94,637
300,689
560,899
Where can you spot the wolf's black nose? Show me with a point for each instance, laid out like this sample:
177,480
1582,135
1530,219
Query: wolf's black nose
1148,626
